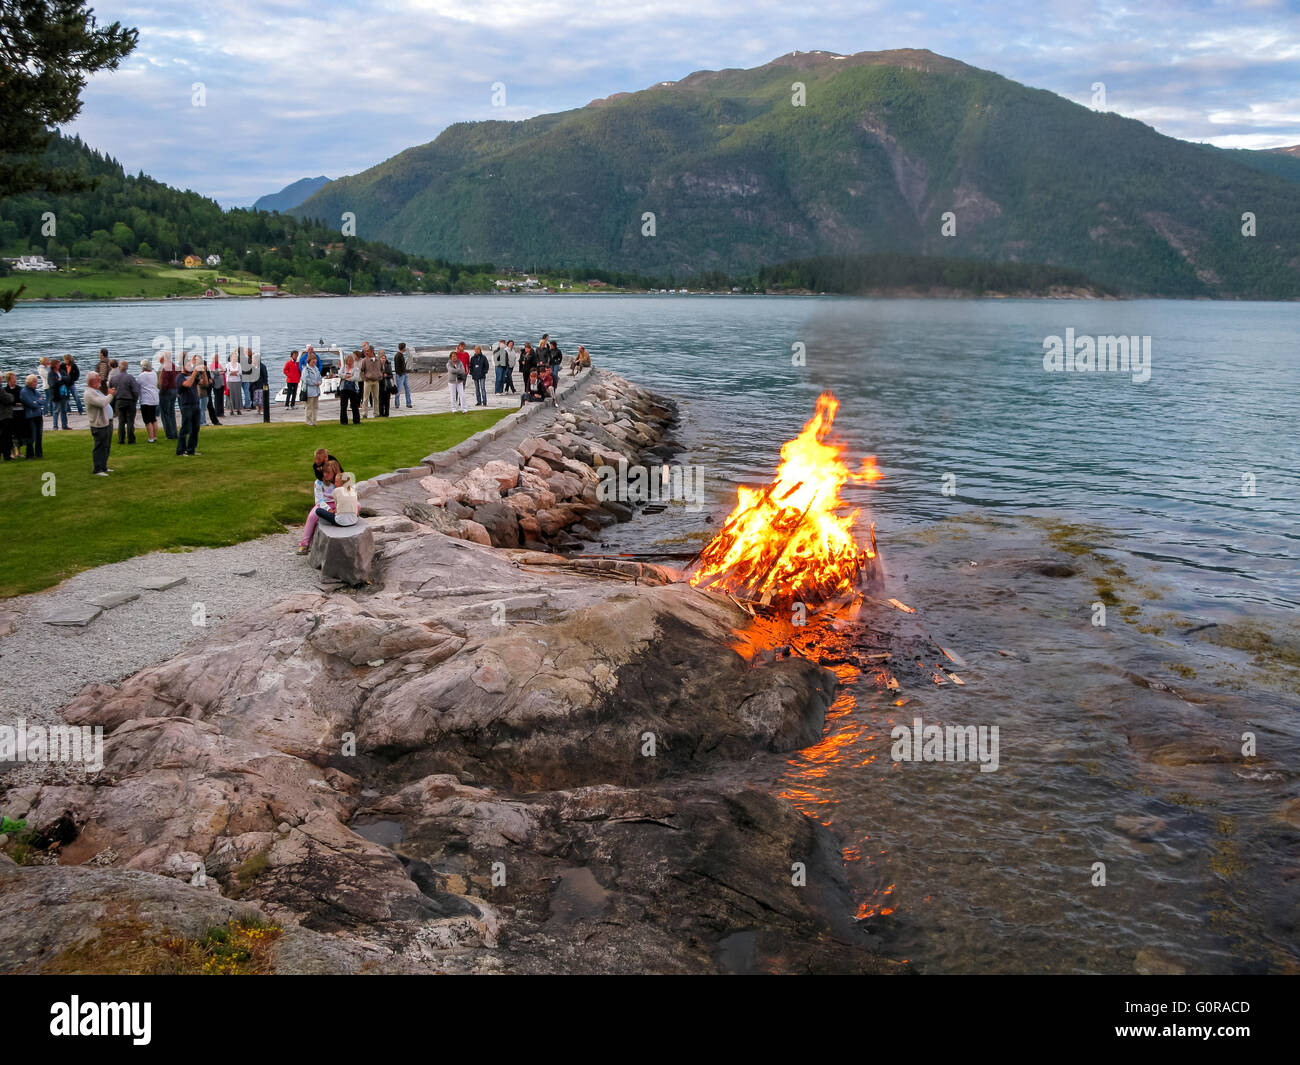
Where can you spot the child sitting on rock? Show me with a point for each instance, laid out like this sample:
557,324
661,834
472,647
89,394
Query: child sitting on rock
323,508
347,509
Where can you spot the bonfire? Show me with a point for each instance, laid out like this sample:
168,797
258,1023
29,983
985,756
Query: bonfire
792,541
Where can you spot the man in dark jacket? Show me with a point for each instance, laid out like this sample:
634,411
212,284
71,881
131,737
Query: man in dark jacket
167,394
478,369
556,359
187,391
56,392
126,396
385,382
7,402
401,380
74,375
527,363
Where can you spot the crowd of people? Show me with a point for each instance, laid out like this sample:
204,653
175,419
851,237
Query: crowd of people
183,394
539,370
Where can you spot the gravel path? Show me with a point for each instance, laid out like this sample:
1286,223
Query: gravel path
42,666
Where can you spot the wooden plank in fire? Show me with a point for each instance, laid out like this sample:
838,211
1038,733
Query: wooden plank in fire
727,528
789,539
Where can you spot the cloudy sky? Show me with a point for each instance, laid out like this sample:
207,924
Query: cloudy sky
296,88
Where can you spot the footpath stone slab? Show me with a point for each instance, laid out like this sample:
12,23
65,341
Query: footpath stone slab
161,584
75,615
113,600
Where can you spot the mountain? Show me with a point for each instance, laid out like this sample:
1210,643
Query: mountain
1284,162
291,195
737,176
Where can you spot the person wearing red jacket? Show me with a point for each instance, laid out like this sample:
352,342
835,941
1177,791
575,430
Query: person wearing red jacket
292,375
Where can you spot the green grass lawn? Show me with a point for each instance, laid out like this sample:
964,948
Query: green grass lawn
147,281
123,282
247,481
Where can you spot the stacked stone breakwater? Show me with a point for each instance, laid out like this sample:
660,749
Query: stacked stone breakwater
534,479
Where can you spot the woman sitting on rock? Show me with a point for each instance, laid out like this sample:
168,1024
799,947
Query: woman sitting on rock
536,391
323,507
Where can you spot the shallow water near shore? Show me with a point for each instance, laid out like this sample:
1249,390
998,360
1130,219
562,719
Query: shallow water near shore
1119,743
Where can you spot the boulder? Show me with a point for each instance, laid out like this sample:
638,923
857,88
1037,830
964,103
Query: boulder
506,475
436,518
439,490
541,467
521,502
344,553
565,485
478,486
500,521
473,531
552,522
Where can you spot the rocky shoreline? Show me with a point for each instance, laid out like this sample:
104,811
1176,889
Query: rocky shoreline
490,758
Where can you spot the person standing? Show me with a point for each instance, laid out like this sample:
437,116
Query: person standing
386,386
310,387
207,401
234,388
101,423
73,373
126,394
478,369
166,393
292,376
30,398
42,382
102,367
555,359
401,378
146,382
499,362
18,423
527,364
456,374
217,371
187,391
350,390
56,391
371,373
512,359
7,404
260,382
247,375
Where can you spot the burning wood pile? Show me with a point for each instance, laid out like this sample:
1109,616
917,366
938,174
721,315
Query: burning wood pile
789,542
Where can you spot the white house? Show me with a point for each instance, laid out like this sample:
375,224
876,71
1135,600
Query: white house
33,262
213,260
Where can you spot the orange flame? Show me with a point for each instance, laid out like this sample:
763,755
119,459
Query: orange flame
788,540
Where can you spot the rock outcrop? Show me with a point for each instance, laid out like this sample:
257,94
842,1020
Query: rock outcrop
489,758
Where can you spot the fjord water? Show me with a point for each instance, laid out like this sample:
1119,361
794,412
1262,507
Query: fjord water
1186,484
932,387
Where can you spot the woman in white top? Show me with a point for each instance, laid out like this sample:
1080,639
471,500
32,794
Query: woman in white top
236,386
147,381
